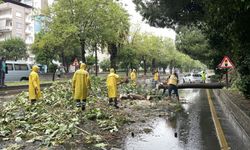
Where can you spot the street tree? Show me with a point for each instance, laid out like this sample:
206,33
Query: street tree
191,41
14,48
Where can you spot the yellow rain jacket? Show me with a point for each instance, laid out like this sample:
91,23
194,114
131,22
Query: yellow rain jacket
133,76
203,76
34,84
172,80
156,76
112,81
80,83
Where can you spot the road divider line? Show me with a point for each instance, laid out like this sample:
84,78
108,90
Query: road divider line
218,128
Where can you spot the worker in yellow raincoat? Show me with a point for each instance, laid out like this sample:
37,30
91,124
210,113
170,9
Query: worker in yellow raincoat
112,81
80,85
133,77
203,76
34,85
156,78
172,85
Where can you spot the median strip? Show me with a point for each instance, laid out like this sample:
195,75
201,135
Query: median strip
218,128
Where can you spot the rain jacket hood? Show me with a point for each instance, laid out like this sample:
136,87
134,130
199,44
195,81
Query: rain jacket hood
35,68
112,70
83,66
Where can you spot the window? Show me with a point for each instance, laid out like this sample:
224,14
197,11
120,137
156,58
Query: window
18,35
10,67
18,14
21,67
19,25
30,38
9,23
36,5
196,75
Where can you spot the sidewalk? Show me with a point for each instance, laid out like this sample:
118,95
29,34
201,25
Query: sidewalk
237,109
240,101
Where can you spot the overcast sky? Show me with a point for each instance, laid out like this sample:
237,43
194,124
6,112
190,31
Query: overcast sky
136,18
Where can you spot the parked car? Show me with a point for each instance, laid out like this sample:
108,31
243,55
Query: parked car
17,70
192,78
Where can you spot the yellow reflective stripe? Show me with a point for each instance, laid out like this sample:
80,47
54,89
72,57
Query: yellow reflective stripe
218,128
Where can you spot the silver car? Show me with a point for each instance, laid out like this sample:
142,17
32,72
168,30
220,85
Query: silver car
192,78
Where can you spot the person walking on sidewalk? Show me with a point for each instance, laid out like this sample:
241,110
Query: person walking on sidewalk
80,86
34,85
112,81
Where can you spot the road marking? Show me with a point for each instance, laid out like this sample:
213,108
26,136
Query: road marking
218,128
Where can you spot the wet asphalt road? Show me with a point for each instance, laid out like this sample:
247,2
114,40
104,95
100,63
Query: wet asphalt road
192,129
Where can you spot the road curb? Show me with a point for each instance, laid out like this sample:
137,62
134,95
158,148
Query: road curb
18,89
239,120
218,128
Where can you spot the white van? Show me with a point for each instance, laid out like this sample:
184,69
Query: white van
17,70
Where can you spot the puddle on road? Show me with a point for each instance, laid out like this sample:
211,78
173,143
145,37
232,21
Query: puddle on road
162,137
170,133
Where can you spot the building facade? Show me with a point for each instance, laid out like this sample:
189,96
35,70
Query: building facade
38,6
16,21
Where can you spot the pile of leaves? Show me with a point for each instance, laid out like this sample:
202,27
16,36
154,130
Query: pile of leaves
54,119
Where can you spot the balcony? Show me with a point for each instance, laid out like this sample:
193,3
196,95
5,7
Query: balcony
7,17
27,31
5,29
28,41
28,21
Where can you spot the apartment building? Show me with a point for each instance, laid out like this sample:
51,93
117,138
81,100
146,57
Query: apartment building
16,21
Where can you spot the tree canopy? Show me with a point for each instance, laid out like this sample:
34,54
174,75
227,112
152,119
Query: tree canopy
74,27
14,48
169,13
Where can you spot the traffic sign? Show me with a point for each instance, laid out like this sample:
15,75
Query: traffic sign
226,63
75,62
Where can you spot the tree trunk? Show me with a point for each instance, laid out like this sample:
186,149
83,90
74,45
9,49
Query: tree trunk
127,69
63,58
82,43
145,66
164,70
113,54
96,61
171,67
153,65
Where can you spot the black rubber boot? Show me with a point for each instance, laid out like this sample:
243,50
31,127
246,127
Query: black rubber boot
116,103
33,101
83,104
78,103
110,101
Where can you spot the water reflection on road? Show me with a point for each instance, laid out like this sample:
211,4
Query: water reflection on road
191,129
